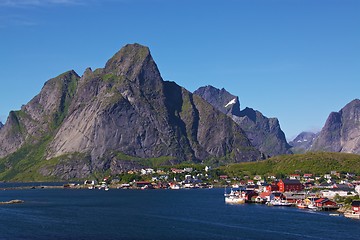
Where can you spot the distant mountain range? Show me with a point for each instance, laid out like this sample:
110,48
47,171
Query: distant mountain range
264,133
341,133
125,116
303,142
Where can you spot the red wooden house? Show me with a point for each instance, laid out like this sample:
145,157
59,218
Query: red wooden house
290,185
272,188
326,204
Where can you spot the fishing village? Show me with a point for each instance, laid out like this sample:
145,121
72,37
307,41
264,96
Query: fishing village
335,192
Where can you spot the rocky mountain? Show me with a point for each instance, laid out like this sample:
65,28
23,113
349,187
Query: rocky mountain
264,133
341,132
1,124
303,142
116,118
220,99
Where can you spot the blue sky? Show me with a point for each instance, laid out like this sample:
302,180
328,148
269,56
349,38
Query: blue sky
297,60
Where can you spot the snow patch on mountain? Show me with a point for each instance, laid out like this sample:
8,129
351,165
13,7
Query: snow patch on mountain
231,102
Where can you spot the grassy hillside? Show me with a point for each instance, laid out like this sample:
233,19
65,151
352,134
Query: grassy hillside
315,163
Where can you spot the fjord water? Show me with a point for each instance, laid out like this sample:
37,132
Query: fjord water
158,214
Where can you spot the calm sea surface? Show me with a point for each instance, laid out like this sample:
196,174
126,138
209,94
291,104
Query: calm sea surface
158,214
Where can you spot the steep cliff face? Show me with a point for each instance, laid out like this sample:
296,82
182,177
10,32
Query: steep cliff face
41,116
303,142
341,132
120,117
1,125
264,133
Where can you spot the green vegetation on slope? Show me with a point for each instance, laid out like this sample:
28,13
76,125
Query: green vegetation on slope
315,163
23,164
68,91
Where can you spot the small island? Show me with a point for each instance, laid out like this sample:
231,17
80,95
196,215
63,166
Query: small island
16,201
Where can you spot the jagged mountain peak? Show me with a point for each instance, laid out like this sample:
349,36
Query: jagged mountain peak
250,113
303,142
128,53
353,103
220,99
264,133
352,109
130,61
88,71
341,132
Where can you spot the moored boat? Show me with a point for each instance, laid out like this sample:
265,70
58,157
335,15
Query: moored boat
312,206
279,203
352,214
234,200
301,205
234,197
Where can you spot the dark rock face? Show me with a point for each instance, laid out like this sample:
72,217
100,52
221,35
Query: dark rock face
111,118
264,133
341,132
303,142
40,116
1,125
220,99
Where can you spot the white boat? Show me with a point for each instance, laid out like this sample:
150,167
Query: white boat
312,206
174,186
352,214
234,200
281,203
234,197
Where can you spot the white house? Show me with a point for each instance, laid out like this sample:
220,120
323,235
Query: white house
147,171
327,176
357,189
331,193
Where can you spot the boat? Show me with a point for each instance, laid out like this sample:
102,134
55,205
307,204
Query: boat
234,197
174,186
352,214
301,205
279,203
234,200
313,207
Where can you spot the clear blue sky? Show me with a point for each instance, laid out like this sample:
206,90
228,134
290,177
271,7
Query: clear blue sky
297,60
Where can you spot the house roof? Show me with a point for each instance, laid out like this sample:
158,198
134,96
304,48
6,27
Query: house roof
290,181
323,200
142,182
343,185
